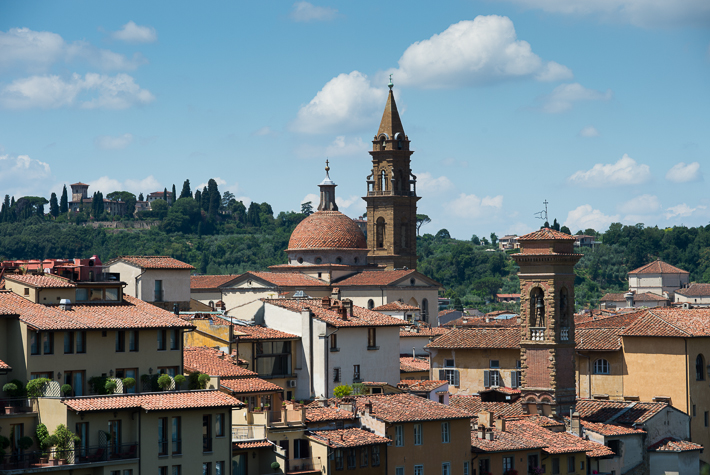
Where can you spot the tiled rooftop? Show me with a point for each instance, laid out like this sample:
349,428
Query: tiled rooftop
5,366
600,339
407,364
327,230
603,411
315,413
168,400
504,442
210,281
342,438
153,262
46,281
260,333
212,361
407,408
258,444
361,317
479,338
671,322
482,322
394,307
609,430
413,332
546,234
447,311
288,279
132,313
670,445
426,385
556,442
642,297
473,405
695,290
249,385
608,321
375,278
658,267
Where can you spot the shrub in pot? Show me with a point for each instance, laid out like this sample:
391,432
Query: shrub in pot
164,381
66,390
111,386
179,380
128,383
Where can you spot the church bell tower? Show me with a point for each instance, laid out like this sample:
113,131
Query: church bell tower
391,195
547,346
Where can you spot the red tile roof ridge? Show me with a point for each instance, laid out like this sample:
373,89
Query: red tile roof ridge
407,332
41,281
360,317
546,234
342,438
153,262
168,400
609,430
695,289
249,385
659,267
670,444
315,413
4,366
671,322
213,362
253,444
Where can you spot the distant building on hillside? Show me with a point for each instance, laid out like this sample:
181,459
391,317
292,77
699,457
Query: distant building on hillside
166,196
659,278
80,198
508,242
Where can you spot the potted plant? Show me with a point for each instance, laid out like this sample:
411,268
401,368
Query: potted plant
275,465
66,390
203,379
111,386
64,442
24,444
128,383
35,388
11,390
179,380
42,436
164,381
4,444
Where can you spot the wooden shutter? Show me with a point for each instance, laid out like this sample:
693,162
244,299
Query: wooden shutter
513,379
487,379
456,378
442,375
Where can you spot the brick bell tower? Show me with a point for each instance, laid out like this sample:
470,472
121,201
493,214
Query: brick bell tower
391,195
547,347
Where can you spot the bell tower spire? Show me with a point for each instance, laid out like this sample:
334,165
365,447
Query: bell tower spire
391,194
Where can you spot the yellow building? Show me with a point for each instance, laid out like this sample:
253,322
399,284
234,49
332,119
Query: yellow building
352,450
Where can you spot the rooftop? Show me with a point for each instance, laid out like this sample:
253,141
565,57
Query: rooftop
287,279
210,281
546,234
408,408
407,364
46,281
342,438
695,290
153,262
618,412
671,445
424,385
327,230
395,306
257,444
670,322
658,267
381,278
260,333
475,338
609,430
599,339
416,331
212,361
315,413
642,297
249,385
503,441
162,401
473,405
5,366
361,317
556,442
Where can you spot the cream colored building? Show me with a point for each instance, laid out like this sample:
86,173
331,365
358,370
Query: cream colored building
694,295
658,277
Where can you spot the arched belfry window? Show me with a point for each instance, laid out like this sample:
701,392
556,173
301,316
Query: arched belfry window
404,234
537,308
700,368
383,180
370,304
380,232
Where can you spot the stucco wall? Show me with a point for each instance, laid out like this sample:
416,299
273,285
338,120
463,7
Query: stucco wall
471,365
656,367
589,384
141,284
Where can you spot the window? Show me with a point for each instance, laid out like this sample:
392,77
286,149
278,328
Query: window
356,373
370,304
515,379
336,375
399,471
493,364
177,469
372,338
694,410
492,378
570,464
700,368
27,291
162,336
68,343
334,342
417,434
163,470
555,465
35,338
450,375
706,418
445,433
133,340
219,425
111,294
162,436
601,366
425,310
508,464
363,456
207,468
80,342
48,343
219,468
177,436
399,435
76,380
533,463
174,340
351,459
158,294
82,431
301,449
115,433
419,470
375,455
82,295
120,341
206,433
273,358
446,468
338,459
128,471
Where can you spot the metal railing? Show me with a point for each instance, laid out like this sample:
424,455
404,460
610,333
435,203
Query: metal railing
537,333
76,456
243,433
564,333
15,406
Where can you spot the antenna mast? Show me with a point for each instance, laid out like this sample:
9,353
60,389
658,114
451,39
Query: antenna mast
543,214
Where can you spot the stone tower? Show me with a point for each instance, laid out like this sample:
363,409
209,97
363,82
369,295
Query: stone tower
391,195
546,261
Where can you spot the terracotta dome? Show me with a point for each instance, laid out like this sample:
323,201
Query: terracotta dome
327,230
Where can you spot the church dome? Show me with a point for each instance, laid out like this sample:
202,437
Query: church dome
327,230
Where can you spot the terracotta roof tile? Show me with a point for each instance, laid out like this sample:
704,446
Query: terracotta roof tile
4,366
467,321
342,438
168,400
695,290
600,339
609,430
129,314
658,267
407,408
603,411
153,262
249,385
260,333
425,385
542,421
258,444
670,445
556,442
503,442
546,234
447,311
315,413
46,281
614,321
642,297
407,364
671,322
361,317
212,361
210,281
394,306
327,230
414,332
288,279
473,405
375,278
501,389
479,338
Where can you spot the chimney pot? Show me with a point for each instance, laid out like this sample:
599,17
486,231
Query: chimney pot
325,302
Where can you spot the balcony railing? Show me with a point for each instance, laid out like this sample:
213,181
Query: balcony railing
76,456
304,465
564,333
537,333
15,406
244,433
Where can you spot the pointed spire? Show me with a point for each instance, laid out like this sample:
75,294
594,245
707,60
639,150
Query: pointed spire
390,123
327,192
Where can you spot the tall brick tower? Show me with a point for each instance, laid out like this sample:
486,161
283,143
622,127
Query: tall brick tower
391,195
546,261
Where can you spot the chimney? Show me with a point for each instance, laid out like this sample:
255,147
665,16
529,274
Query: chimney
342,311
489,435
348,305
576,425
325,302
481,431
65,304
485,418
368,408
629,296
500,424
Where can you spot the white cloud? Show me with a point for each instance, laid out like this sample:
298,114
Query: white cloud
305,12
21,175
428,185
132,33
223,186
91,92
452,162
346,102
589,131
641,205
341,146
563,97
470,53
471,206
684,173
624,172
263,131
313,198
108,142
585,216
681,211
518,229
353,204
645,13
36,51
107,185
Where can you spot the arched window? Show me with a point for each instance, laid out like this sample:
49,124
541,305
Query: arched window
537,308
700,368
211,304
370,304
318,260
564,308
383,180
425,310
380,232
338,260
601,366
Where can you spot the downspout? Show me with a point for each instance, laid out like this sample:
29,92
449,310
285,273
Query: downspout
136,279
327,360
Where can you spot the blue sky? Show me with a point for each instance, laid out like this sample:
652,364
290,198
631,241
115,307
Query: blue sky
600,108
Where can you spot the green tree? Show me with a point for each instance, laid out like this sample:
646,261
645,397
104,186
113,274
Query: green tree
253,215
184,216
307,208
239,211
475,240
443,234
127,197
494,239
198,197
565,230
215,199
205,201
422,219
53,205
140,197
174,197
227,198
186,192
159,209
342,390
64,202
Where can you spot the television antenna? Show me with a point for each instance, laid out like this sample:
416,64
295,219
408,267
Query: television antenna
543,214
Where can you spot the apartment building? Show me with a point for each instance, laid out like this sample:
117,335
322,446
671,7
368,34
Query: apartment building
352,450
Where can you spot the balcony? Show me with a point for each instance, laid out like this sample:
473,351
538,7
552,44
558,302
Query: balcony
564,333
537,333
77,456
246,433
15,406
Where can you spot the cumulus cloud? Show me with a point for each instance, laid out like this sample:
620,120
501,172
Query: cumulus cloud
92,91
471,206
341,146
107,185
563,97
644,13
585,216
470,53
682,211
109,142
428,185
21,175
313,198
346,102
353,205
640,205
589,131
624,172
132,33
305,12
684,173
36,51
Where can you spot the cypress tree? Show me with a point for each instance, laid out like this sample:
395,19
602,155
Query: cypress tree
215,198
186,192
198,197
140,197
165,195
205,201
64,202
53,205
174,195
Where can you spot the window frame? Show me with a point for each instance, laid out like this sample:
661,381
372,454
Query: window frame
176,435
162,339
133,341
219,425
68,342
446,468
372,338
120,341
375,456
80,342
700,367
418,434
337,374
162,436
601,366
445,432
47,342
364,456
399,435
